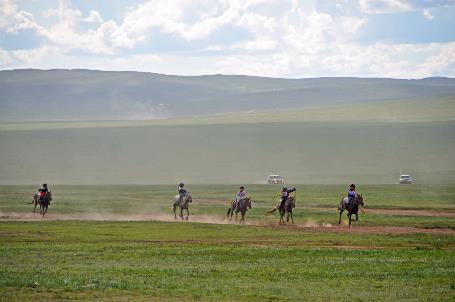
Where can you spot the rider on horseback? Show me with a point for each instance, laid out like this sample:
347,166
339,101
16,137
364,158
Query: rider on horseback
42,191
352,193
240,194
285,195
182,192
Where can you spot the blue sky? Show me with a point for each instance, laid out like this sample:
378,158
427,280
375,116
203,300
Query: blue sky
278,38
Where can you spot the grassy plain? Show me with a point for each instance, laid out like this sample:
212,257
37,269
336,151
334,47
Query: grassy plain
302,152
135,261
44,259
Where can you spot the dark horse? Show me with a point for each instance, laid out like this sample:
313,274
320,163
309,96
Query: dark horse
44,203
352,208
287,208
239,206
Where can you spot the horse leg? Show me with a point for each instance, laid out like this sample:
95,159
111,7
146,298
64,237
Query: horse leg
349,220
341,212
187,214
243,217
181,213
236,212
175,214
356,216
292,218
228,213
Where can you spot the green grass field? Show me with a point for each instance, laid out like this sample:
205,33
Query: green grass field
302,152
45,259
121,243
364,142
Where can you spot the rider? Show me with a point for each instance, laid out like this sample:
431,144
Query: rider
42,191
285,195
182,191
241,194
352,193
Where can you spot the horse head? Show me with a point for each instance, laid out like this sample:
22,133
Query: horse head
360,199
189,198
248,199
292,201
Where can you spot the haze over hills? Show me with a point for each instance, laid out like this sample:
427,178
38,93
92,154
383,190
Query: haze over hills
328,130
72,95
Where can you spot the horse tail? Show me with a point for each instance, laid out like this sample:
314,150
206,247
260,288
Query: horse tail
271,211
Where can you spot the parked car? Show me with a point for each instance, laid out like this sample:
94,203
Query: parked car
275,180
405,179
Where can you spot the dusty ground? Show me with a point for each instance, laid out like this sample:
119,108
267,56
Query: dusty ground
308,226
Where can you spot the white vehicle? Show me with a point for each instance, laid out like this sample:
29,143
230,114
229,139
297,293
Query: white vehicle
275,180
405,179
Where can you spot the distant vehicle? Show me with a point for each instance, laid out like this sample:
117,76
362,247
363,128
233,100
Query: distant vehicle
405,179
275,180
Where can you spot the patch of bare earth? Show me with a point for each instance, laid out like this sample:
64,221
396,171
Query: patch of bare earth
308,226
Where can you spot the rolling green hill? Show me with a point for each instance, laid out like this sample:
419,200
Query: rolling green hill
73,95
326,131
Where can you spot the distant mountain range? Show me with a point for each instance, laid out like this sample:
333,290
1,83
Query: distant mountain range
72,95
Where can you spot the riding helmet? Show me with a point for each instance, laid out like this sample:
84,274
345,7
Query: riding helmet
181,185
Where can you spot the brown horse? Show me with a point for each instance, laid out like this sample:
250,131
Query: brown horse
44,203
239,206
352,208
287,208
289,204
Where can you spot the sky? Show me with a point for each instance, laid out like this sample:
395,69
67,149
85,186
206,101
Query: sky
273,38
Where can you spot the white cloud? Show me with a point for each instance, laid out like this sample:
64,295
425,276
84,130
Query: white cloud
295,41
257,23
169,16
384,6
426,13
397,6
13,20
94,17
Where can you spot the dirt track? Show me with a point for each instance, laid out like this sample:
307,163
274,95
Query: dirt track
309,226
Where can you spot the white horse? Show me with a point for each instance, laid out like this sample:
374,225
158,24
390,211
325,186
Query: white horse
183,205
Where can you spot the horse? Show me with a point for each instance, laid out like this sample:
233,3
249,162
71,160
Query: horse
231,210
44,202
183,205
287,208
352,208
239,206
35,201
289,204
